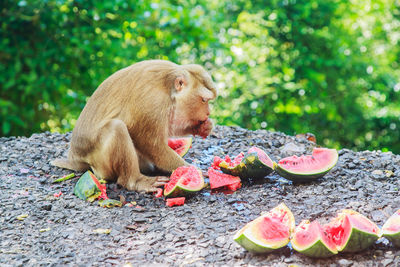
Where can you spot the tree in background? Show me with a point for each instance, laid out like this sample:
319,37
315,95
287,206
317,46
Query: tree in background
327,67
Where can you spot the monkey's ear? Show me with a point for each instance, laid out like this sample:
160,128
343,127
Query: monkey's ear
180,82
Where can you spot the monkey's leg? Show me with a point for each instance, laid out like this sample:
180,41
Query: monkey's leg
116,156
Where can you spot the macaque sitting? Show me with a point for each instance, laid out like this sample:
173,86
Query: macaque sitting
123,130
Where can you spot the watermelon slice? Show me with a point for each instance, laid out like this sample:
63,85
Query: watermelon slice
89,188
218,179
391,229
267,232
352,231
177,201
307,168
184,180
310,239
180,145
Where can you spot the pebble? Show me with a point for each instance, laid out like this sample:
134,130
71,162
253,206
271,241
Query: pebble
202,229
345,263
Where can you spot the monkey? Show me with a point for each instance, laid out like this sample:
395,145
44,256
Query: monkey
122,132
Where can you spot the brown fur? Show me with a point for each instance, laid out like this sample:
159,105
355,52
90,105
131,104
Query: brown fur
123,130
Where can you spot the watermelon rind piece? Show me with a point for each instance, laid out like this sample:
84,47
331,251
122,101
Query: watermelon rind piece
110,203
180,189
247,236
317,247
255,167
236,170
185,144
251,166
358,239
86,188
391,229
306,176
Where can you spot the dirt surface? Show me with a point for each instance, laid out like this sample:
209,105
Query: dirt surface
39,229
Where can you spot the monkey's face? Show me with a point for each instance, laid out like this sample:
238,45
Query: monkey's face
194,90
192,107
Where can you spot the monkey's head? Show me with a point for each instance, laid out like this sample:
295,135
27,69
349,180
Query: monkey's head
194,89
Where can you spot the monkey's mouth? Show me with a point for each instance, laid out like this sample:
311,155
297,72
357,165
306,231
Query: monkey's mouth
199,122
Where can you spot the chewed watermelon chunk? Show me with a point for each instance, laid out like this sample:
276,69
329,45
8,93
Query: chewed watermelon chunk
219,179
180,145
89,188
177,201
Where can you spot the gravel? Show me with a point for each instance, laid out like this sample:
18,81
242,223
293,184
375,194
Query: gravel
37,228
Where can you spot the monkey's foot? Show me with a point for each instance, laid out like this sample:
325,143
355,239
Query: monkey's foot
148,184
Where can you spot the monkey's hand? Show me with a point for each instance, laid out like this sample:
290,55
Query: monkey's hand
150,184
203,129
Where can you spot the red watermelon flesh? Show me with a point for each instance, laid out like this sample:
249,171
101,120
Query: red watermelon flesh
262,156
393,223
231,163
216,162
308,233
180,145
177,201
219,179
102,187
340,230
271,229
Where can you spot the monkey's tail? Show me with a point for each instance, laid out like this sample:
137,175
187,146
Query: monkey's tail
71,165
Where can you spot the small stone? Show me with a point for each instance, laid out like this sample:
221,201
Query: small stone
290,149
386,262
344,262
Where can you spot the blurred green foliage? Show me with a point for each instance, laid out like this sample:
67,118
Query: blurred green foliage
328,67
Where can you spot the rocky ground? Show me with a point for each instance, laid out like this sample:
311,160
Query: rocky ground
37,228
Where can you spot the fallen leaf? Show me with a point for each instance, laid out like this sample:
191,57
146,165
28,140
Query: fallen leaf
22,217
388,173
65,178
122,199
102,230
131,227
44,230
109,203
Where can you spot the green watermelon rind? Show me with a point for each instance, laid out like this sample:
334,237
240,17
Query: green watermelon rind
393,237
255,168
181,190
316,250
238,170
85,188
304,177
250,167
358,240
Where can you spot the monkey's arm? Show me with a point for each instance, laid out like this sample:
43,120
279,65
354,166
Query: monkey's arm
167,159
